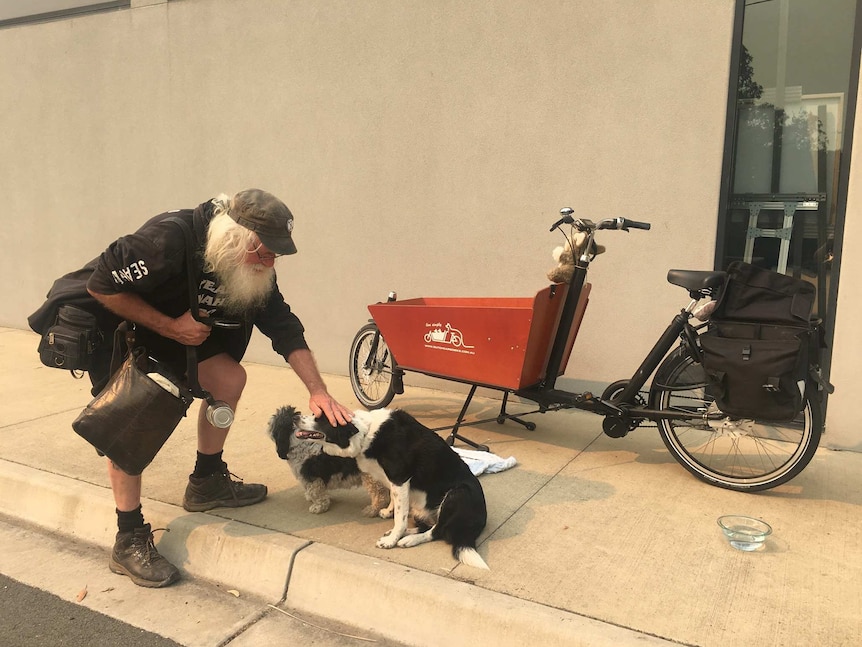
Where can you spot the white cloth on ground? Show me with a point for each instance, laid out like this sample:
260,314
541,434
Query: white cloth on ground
484,462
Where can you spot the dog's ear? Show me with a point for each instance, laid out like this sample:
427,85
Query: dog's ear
281,427
341,435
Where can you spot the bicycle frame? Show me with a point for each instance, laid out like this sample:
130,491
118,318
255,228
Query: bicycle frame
624,404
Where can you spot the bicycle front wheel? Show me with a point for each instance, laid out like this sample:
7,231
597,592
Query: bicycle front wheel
371,369
736,454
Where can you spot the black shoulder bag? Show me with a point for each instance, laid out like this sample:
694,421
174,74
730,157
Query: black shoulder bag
137,411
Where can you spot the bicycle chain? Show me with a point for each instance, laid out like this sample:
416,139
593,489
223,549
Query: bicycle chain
650,424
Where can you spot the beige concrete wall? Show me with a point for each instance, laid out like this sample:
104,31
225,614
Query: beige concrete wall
424,146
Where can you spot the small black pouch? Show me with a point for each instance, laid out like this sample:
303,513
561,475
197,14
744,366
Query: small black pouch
70,343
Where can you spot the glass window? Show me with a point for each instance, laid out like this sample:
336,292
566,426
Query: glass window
794,78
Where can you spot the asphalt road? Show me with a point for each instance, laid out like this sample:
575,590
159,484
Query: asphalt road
30,617
43,574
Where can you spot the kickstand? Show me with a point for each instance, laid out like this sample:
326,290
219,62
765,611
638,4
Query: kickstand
503,416
455,435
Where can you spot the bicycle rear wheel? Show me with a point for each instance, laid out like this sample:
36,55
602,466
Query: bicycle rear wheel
736,454
371,377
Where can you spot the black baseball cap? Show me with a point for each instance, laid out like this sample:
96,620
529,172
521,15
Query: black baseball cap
267,216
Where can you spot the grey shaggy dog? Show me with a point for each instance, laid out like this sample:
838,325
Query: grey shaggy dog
317,472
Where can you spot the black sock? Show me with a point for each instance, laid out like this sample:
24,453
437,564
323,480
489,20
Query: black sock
208,464
130,520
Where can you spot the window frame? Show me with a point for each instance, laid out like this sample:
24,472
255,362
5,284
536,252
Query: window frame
727,169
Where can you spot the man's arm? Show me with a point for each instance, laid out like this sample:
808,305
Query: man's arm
302,362
128,305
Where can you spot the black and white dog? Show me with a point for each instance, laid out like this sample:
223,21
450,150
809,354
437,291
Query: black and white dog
319,473
426,477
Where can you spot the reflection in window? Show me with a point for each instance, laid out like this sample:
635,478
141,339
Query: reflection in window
794,75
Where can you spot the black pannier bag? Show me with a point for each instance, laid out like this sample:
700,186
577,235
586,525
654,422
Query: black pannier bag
760,344
752,293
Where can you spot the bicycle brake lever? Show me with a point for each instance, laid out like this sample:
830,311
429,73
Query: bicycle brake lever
565,220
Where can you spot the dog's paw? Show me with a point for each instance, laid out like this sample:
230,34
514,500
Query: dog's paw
387,512
389,540
370,511
407,541
319,507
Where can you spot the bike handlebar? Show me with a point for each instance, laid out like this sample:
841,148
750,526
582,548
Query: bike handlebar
582,224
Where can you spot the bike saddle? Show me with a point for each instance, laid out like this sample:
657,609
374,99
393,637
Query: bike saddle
696,280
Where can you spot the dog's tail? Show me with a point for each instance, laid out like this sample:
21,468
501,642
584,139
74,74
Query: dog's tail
470,557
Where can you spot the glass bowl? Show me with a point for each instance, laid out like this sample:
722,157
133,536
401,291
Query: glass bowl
744,533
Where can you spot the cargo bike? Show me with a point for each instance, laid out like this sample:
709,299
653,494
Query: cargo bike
751,431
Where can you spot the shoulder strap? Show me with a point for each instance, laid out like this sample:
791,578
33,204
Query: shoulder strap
191,275
191,351
191,250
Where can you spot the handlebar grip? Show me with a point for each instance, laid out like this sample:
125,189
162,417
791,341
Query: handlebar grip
634,224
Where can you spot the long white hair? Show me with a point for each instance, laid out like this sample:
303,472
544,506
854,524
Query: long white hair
227,240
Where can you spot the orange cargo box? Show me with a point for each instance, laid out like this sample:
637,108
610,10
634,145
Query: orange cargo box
499,342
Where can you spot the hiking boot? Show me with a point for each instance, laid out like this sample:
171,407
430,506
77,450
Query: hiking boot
221,491
135,555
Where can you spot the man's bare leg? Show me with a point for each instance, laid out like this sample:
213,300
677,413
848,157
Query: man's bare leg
210,485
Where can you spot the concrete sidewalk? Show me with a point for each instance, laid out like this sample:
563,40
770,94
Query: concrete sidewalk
590,540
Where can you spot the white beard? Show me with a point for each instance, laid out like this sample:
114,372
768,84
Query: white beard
246,287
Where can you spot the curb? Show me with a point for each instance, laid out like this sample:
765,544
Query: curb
310,577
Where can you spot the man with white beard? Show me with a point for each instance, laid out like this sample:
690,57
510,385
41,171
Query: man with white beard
143,278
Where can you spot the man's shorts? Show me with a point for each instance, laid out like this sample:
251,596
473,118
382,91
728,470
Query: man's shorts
167,352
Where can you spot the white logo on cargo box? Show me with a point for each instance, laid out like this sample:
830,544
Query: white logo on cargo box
440,336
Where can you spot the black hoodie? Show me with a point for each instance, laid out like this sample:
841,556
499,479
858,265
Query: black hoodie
152,263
